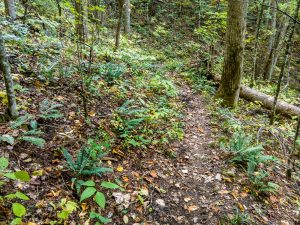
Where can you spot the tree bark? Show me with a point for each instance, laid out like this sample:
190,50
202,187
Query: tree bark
127,17
9,84
255,67
285,62
10,9
118,30
273,54
80,20
234,55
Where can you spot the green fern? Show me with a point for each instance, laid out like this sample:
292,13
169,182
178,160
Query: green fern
87,160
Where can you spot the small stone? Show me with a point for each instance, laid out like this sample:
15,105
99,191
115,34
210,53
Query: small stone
218,177
284,222
184,171
23,155
125,219
161,203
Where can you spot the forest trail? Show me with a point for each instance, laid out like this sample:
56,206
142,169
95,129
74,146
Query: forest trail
194,189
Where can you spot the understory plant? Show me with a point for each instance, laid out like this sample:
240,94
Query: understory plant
88,159
255,161
15,198
28,127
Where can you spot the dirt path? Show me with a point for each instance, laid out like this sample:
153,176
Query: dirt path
194,179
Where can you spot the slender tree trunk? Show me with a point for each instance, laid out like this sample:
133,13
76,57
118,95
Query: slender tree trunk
234,55
255,67
285,62
118,31
297,135
274,52
127,16
80,20
10,9
5,69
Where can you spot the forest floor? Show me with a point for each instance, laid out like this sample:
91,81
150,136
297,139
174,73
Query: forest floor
201,186
189,182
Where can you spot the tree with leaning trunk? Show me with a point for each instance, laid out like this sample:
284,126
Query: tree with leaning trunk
10,8
9,84
234,54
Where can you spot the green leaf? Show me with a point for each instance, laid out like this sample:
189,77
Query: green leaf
7,138
89,183
16,221
33,124
109,185
22,175
70,206
88,192
21,120
18,209
102,219
10,176
40,142
22,196
100,199
10,196
63,214
3,163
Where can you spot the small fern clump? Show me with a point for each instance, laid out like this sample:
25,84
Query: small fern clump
87,160
253,158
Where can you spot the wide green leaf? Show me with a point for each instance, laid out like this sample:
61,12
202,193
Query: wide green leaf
22,175
40,142
109,185
89,183
3,163
102,219
18,209
100,199
22,196
87,193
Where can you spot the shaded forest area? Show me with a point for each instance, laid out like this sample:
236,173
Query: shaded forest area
149,112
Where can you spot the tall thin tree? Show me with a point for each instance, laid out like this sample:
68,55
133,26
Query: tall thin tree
9,84
234,54
127,16
255,67
285,61
118,30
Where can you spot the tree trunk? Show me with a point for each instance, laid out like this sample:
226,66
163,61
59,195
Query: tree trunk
80,20
5,69
234,56
127,16
285,62
255,67
10,9
118,31
274,51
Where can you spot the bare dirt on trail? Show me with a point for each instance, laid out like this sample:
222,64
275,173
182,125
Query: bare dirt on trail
195,179
203,187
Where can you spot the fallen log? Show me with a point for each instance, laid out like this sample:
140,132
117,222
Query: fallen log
266,100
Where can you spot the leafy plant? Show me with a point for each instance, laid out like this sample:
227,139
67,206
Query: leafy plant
50,109
238,218
87,161
18,209
90,191
252,156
